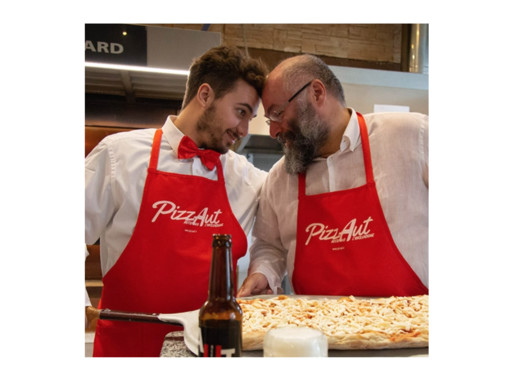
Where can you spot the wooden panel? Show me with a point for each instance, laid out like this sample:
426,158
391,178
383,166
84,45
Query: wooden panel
376,45
93,281
93,263
93,135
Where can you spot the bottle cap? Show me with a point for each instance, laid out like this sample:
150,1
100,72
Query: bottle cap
218,238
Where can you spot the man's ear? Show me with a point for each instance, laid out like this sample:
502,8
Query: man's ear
205,95
319,91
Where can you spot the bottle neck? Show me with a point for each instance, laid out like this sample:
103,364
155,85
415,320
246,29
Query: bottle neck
221,279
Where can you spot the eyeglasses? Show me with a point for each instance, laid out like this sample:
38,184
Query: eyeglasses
275,116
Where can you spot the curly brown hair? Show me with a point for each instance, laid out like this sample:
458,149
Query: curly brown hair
221,67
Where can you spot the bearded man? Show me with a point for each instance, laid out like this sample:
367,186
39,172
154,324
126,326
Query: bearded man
345,211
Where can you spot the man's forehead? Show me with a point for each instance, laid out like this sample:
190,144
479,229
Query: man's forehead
245,94
273,88
241,87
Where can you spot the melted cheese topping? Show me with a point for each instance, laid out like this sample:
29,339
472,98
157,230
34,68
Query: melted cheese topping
348,322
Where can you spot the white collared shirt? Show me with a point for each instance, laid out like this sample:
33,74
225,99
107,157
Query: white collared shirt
399,150
115,173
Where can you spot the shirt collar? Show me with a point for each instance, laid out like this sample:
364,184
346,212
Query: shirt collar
351,137
172,133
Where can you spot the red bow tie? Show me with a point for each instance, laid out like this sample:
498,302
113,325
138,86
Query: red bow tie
188,149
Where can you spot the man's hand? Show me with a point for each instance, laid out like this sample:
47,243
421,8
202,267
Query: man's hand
91,316
254,284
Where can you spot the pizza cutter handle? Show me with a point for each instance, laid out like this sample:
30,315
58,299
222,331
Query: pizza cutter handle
108,314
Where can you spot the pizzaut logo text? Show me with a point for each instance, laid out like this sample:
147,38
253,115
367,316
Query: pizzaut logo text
351,231
193,218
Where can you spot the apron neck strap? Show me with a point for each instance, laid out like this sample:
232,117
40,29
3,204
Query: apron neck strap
301,184
366,148
155,149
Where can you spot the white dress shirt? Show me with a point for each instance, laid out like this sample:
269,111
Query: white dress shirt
115,173
399,150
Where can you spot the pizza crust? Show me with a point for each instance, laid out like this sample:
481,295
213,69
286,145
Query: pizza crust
348,322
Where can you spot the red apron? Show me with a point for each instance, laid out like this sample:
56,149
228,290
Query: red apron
165,266
344,245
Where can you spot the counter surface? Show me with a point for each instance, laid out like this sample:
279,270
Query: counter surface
174,346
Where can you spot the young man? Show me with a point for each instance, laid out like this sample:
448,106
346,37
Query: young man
345,212
156,197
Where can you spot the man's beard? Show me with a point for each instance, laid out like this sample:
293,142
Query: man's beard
209,125
306,136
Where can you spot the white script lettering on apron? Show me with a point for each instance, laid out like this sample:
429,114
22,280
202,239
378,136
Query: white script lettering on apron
350,230
189,217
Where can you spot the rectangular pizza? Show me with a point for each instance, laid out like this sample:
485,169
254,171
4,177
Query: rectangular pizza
348,322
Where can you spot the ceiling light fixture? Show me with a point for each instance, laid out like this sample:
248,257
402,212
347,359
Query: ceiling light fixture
99,65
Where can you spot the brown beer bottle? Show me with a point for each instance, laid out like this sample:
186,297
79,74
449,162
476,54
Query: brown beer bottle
220,318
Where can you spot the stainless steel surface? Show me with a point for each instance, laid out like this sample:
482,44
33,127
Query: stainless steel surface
174,346
188,319
419,49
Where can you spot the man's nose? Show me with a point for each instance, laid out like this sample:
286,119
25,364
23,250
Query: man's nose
275,129
242,129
